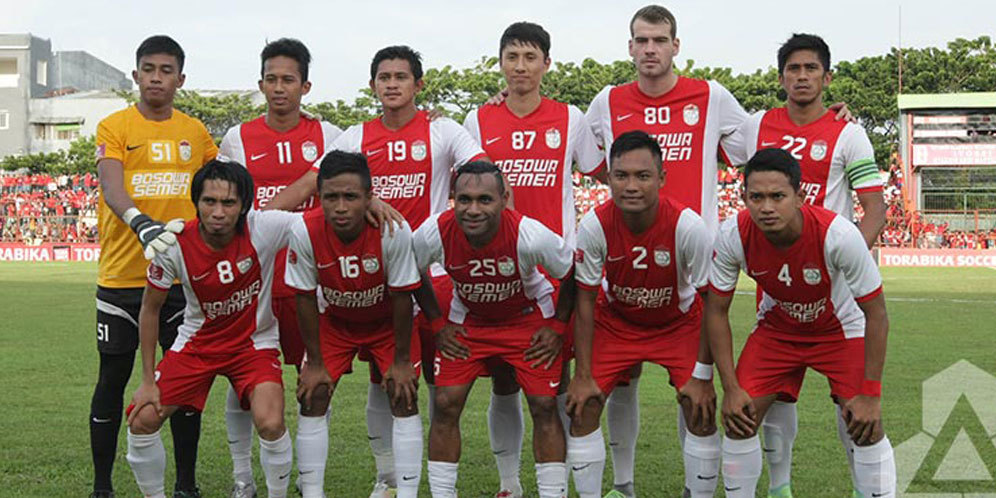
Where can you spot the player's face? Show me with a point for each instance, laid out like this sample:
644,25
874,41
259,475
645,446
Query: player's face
158,77
219,207
635,180
523,65
282,85
771,200
478,204
345,203
394,84
804,77
652,48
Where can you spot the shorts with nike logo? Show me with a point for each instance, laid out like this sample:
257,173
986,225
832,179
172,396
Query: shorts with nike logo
341,341
184,378
619,344
506,341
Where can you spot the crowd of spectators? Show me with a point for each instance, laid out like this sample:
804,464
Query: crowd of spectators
42,208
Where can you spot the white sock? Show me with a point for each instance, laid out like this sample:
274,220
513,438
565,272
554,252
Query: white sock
380,424
550,479
147,458
407,443
702,464
741,466
238,422
586,456
682,428
312,454
875,469
506,427
847,443
779,427
276,458
442,479
623,416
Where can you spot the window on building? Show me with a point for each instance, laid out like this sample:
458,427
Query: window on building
4,120
42,75
8,73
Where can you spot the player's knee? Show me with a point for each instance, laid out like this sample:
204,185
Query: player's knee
270,426
702,430
320,399
147,421
543,409
447,406
877,436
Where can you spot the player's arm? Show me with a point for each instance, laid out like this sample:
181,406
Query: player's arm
872,223
301,274
148,338
154,235
547,342
400,379
583,386
738,413
540,246
428,247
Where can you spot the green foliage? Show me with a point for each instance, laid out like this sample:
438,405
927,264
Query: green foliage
218,113
78,159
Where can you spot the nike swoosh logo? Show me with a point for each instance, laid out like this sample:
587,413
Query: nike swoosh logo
232,442
457,267
303,472
877,495
623,117
613,259
408,478
499,452
766,450
491,140
758,273
284,476
577,468
706,478
417,364
101,420
201,276
373,438
133,147
768,144
257,156
555,384
372,152
322,266
732,489
276,365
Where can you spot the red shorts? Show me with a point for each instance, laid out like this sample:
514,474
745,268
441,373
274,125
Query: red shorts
618,345
285,311
506,342
773,366
341,342
184,379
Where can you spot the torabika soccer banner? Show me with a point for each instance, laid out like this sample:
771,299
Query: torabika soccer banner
49,252
952,258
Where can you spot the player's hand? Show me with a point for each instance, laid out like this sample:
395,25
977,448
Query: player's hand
579,391
436,113
448,344
702,396
155,236
739,417
499,97
863,415
381,213
147,394
313,375
403,383
843,112
544,347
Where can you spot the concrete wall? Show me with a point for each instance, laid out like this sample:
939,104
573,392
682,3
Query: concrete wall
82,71
14,95
65,109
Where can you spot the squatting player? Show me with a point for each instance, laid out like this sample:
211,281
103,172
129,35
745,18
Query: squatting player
146,156
822,308
366,277
224,260
502,309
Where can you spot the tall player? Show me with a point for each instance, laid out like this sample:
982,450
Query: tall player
224,261
146,156
370,309
836,158
653,256
277,148
535,141
822,308
502,309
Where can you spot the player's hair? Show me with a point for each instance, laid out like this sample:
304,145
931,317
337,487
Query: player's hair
655,14
287,47
634,140
774,160
337,163
403,52
804,41
526,33
231,172
160,44
480,168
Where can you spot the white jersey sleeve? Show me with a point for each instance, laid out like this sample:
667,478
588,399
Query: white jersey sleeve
428,244
165,267
539,246
847,252
473,126
585,149
399,258
330,133
728,258
731,114
859,158
741,145
600,122
231,147
270,229
350,140
301,272
592,249
458,145
694,243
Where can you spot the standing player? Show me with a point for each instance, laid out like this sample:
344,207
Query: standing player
535,141
822,308
370,309
277,148
836,158
224,260
654,255
502,308
146,156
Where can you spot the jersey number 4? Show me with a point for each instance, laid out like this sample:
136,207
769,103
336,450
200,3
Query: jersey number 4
784,276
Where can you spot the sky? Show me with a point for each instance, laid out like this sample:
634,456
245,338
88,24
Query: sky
222,40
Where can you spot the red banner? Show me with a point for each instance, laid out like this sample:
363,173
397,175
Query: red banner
951,258
49,252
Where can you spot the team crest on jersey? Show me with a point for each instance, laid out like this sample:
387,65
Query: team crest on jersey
244,265
812,276
418,150
691,114
185,151
370,263
819,150
662,256
309,151
291,257
506,266
553,138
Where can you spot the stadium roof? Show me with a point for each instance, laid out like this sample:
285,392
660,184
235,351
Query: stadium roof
947,100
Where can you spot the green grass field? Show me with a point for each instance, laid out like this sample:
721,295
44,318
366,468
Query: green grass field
48,362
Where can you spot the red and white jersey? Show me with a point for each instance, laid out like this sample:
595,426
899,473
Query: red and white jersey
652,278
811,289
411,167
354,277
536,152
835,156
227,291
688,122
500,280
